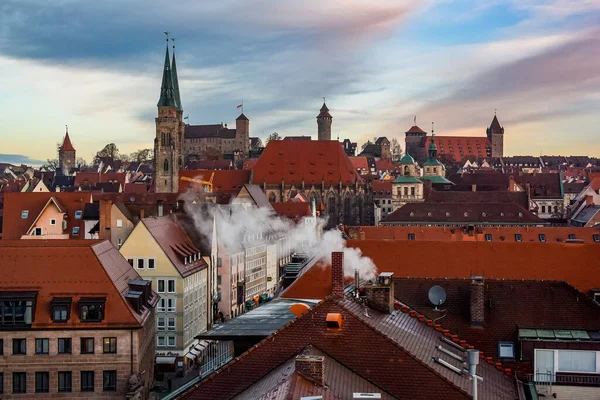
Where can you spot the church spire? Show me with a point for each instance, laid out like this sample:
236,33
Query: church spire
166,89
175,80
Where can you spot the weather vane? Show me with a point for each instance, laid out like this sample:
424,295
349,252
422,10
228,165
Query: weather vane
173,40
167,33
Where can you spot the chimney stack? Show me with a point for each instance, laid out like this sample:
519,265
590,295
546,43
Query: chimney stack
337,273
142,216
311,368
477,301
380,295
160,208
105,218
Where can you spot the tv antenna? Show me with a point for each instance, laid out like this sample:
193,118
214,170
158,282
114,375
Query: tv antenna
437,296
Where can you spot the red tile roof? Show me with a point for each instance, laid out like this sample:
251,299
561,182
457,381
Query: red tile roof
175,243
415,129
360,163
224,181
382,189
88,268
67,145
445,259
459,147
313,161
292,210
92,178
249,164
14,203
386,165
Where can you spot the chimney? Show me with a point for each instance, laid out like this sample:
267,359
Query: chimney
311,368
589,200
104,212
477,301
380,295
142,212
474,187
160,208
337,273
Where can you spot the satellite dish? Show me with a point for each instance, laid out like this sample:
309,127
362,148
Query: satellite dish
437,296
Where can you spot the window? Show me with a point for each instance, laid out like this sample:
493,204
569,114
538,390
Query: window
151,263
110,344
140,263
109,381
543,209
87,345
130,261
19,382
75,230
87,381
64,346
41,346
60,309
91,309
37,232
576,361
1,349
119,223
78,214
64,381
518,237
488,237
161,286
171,305
120,242
171,326
160,341
1,382
411,236
19,346
24,214
18,309
171,286
542,237
506,350
571,236
161,305
166,166
161,323
52,221
42,382
596,238
171,342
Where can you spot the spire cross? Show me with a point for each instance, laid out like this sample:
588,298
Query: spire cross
167,34
323,100
495,109
173,40
67,128
432,128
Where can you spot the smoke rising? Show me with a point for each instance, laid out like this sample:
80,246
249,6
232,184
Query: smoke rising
239,223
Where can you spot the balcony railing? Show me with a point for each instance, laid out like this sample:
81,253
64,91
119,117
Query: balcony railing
564,379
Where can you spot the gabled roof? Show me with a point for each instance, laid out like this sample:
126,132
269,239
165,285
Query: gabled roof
208,131
382,141
242,117
88,268
382,189
463,196
405,347
67,145
416,129
459,147
313,161
175,243
360,163
224,181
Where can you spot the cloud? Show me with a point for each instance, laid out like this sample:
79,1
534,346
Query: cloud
18,159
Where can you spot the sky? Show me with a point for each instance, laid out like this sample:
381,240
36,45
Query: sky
97,66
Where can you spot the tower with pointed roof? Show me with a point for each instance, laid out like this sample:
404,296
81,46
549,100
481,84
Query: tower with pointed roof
324,120
415,142
168,143
433,166
66,156
495,134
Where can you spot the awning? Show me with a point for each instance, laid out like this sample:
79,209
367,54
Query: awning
190,356
200,347
165,360
194,352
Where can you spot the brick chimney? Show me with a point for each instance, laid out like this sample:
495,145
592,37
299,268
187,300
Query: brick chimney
477,301
105,207
311,368
337,273
380,295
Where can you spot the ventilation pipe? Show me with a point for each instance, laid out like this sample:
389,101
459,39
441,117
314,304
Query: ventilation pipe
472,361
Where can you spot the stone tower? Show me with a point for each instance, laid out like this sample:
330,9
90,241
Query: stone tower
242,133
168,143
324,120
66,156
415,143
495,134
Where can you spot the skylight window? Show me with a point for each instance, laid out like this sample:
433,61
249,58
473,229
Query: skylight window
24,214
518,237
75,230
488,237
542,237
78,214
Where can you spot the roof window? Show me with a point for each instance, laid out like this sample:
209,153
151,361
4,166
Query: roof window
518,237
488,237
542,237
78,214
596,238
24,214
411,236
75,230
571,236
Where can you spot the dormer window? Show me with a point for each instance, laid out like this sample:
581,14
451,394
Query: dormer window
91,309
60,307
24,214
17,308
78,214
75,230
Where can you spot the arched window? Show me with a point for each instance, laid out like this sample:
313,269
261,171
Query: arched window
348,209
166,166
272,197
331,208
406,170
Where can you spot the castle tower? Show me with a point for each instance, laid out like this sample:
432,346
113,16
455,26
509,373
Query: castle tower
324,120
66,156
415,142
242,133
495,134
168,143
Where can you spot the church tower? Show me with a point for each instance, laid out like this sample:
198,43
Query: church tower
66,156
495,134
324,120
168,143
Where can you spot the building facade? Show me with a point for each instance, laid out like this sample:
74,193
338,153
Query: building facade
87,332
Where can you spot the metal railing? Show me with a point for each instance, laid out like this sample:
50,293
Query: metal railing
564,379
216,355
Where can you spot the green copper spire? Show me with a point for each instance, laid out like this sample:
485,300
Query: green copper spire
175,80
166,89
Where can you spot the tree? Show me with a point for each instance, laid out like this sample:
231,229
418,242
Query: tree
110,150
396,150
212,154
273,136
81,163
257,144
51,164
141,155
